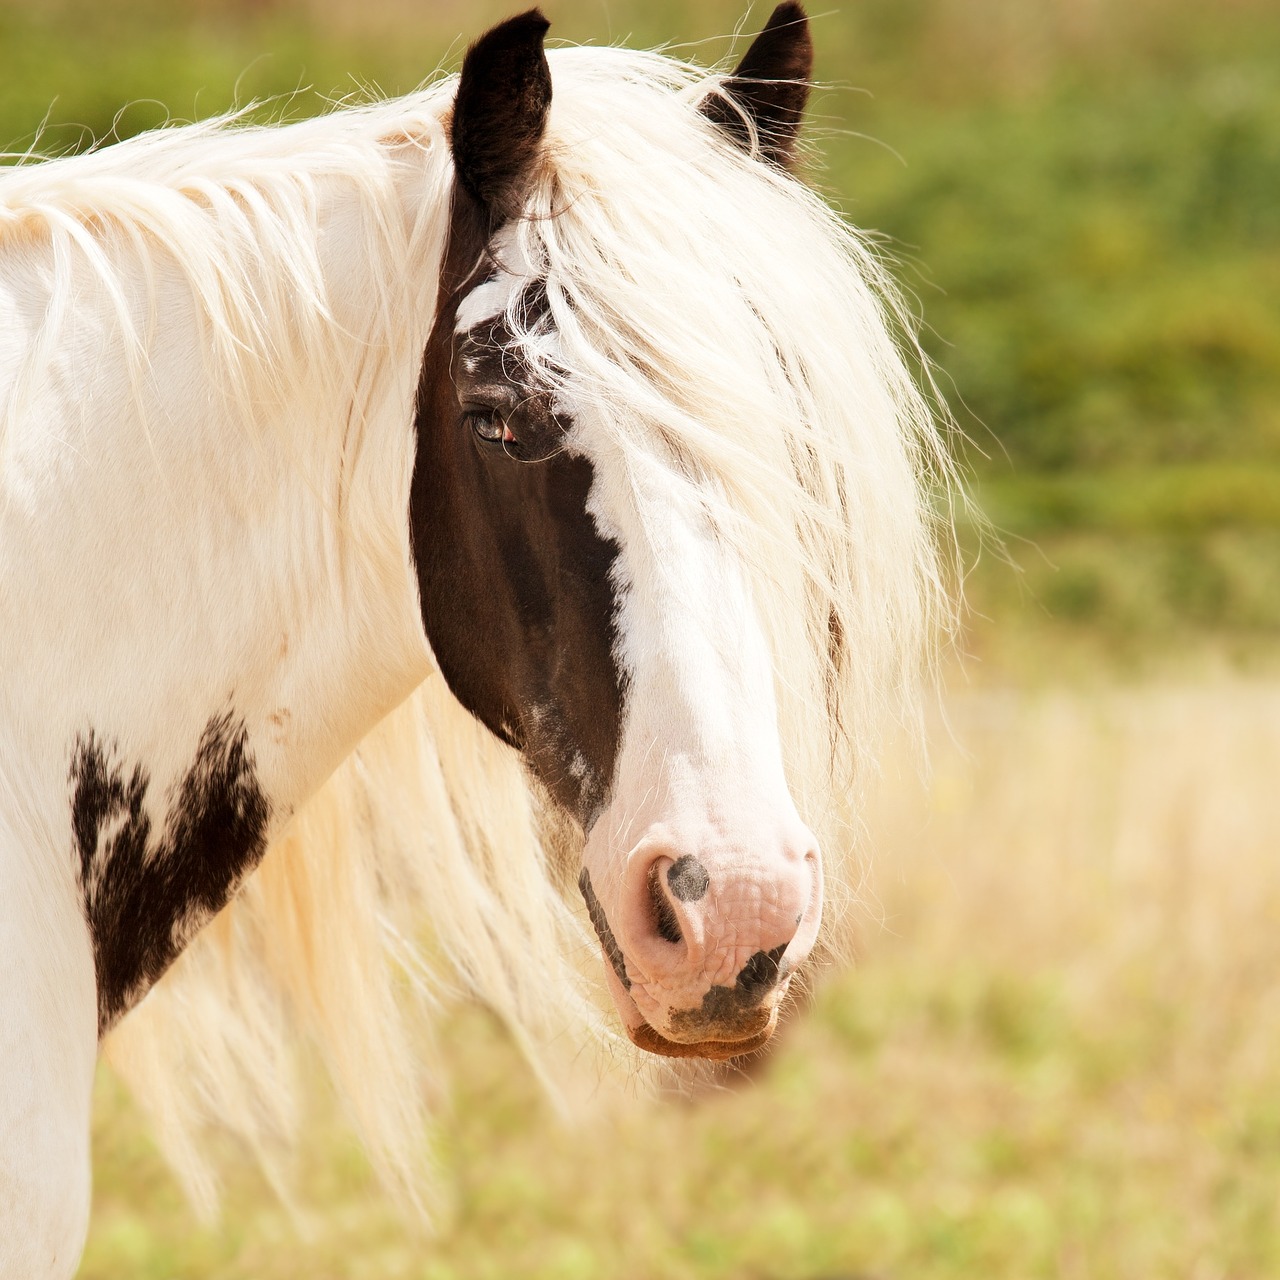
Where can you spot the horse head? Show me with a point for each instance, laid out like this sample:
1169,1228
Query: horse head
582,595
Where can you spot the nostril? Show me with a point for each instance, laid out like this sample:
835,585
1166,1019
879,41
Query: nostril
664,914
683,881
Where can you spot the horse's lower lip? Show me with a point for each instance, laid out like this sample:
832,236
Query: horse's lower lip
652,1041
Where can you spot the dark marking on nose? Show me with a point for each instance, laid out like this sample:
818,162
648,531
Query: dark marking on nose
147,893
600,923
760,974
688,878
730,1010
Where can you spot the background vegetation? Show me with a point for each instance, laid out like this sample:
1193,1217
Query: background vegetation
1083,196
1059,1059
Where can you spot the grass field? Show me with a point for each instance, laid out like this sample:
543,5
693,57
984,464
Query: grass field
1057,1057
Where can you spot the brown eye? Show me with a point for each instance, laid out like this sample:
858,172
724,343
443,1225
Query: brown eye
486,425
489,427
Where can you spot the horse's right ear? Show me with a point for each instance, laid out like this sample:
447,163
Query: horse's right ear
770,86
500,113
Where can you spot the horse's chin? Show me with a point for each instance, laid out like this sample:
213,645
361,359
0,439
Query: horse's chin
756,1027
645,1037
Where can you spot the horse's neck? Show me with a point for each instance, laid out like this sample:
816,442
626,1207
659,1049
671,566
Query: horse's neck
178,551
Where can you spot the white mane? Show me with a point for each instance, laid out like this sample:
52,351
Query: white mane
235,209
679,273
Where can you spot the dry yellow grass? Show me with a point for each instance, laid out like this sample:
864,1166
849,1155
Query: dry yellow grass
1060,1055
1089,832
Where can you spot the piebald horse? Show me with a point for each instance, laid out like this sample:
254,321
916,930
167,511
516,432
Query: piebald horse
550,385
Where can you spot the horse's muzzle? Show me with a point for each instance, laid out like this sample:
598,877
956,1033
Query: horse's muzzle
702,935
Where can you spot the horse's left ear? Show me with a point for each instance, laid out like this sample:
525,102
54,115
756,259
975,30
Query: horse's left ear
500,113
770,86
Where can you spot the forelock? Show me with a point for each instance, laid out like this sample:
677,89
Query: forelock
507,271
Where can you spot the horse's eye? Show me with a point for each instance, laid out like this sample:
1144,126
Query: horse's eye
489,426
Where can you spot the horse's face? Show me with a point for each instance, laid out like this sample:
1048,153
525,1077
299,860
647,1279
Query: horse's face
515,576
581,605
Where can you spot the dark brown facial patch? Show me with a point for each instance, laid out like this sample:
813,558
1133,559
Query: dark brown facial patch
146,893
514,577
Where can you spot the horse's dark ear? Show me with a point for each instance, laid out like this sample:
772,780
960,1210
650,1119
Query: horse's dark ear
770,85
500,113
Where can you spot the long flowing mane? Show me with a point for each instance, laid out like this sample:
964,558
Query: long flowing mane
428,867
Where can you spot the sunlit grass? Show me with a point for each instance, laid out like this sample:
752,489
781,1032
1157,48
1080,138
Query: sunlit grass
1060,1056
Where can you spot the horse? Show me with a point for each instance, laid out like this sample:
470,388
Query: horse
515,507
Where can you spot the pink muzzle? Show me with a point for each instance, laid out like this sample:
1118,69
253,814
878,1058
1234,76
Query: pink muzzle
702,923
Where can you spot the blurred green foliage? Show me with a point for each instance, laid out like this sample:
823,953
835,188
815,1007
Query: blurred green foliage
1083,200
1107,259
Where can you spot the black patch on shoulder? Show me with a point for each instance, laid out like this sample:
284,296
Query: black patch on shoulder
146,896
